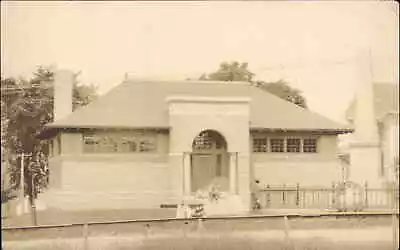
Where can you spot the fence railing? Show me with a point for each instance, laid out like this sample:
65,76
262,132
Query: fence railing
345,196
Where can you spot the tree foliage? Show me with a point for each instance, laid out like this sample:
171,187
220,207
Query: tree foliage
283,90
236,71
27,105
233,71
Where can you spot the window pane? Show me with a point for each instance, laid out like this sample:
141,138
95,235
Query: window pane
106,145
128,145
260,145
277,145
310,145
147,146
293,145
204,141
90,143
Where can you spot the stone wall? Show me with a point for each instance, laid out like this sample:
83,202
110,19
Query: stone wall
145,180
81,180
307,169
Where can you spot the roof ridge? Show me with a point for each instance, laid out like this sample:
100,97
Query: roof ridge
151,81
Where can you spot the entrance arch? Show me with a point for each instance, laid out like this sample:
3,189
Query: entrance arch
209,161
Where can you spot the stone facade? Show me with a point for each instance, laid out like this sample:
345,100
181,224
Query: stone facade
134,147
299,168
82,180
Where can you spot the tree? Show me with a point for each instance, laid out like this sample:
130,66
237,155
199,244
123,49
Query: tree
236,71
28,106
233,71
284,91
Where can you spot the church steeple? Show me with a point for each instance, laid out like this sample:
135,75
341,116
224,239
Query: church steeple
365,158
365,119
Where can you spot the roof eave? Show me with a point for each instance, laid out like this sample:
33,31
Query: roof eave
303,130
64,126
51,130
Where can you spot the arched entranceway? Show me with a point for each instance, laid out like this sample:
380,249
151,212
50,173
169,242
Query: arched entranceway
209,161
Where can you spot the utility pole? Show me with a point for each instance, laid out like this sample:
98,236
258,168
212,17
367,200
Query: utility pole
22,185
33,205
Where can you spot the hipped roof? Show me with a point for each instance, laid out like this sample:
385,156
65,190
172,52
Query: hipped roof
143,104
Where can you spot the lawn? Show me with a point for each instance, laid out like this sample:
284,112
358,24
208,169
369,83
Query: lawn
54,217
204,242
318,233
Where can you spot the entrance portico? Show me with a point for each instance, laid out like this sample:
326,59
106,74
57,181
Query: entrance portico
209,145
210,165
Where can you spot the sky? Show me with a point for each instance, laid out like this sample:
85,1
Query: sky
312,45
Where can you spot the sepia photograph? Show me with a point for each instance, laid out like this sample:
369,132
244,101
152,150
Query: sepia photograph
200,125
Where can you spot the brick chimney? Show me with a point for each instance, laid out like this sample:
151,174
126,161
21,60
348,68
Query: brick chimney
63,84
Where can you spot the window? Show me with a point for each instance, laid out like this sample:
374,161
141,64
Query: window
260,145
277,145
293,145
310,145
117,143
107,145
146,146
128,144
91,143
203,141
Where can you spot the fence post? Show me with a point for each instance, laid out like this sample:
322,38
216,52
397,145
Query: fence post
268,196
344,197
289,243
298,195
389,195
200,225
85,236
283,194
147,231
366,195
333,195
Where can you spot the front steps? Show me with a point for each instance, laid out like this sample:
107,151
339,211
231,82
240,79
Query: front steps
227,204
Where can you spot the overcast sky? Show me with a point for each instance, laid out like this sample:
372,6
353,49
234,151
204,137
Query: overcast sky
311,44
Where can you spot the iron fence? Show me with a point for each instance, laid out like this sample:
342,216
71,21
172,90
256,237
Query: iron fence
345,196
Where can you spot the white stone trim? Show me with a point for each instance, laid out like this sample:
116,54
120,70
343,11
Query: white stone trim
364,144
202,99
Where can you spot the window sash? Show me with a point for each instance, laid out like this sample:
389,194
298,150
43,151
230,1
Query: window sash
310,145
118,143
277,145
260,145
293,145
284,144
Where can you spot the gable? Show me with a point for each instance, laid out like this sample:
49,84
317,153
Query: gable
144,105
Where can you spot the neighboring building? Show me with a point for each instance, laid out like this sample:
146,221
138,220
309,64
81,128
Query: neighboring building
385,103
147,143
